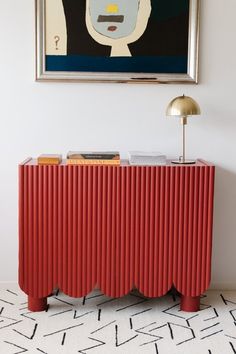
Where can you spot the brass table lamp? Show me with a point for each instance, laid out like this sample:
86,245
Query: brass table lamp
182,107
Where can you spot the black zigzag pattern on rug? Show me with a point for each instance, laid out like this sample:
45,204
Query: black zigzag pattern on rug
97,324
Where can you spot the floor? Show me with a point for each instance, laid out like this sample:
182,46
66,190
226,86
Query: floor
133,324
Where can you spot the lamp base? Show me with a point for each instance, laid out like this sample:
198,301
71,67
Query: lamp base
183,162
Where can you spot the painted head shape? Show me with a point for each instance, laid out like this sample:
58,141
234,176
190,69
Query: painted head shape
117,23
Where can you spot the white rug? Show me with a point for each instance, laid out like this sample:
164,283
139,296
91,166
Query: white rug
133,324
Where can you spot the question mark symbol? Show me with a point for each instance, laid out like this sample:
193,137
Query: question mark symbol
57,39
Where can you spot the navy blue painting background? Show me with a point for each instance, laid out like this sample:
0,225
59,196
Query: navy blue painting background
117,64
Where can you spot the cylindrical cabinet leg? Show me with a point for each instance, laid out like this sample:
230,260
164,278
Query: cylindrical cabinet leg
37,304
190,303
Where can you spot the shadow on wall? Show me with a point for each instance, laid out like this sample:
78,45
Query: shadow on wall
225,218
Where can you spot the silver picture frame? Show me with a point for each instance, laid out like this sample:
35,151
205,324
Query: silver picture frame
191,77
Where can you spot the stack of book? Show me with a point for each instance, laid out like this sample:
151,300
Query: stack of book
49,159
93,158
146,158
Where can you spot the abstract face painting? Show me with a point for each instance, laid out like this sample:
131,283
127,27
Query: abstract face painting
118,40
118,23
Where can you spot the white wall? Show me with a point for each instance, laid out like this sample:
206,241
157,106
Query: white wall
56,117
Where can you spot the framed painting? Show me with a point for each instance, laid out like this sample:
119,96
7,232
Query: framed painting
117,40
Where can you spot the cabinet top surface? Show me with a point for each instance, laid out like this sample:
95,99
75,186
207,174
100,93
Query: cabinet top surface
124,163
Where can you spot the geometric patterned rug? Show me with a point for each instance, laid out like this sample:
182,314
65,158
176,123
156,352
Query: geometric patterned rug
133,324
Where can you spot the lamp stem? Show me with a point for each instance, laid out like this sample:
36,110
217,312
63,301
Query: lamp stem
184,122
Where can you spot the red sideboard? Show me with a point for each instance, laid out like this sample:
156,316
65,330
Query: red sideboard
148,227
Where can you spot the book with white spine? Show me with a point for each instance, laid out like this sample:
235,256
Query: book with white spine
150,158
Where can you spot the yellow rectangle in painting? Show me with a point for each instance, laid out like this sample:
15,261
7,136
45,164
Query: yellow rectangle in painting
112,8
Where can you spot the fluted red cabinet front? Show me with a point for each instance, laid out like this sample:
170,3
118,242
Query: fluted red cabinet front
115,227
